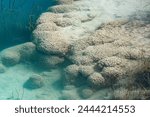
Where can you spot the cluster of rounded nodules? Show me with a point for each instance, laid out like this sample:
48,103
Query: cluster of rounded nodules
48,36
110,53
117,50
58,27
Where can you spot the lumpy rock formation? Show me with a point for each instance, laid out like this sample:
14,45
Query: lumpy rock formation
106,52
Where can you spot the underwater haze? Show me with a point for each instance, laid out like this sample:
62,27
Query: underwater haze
17,19
74,49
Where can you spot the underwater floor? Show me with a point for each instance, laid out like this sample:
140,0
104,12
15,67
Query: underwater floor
76,68
13,80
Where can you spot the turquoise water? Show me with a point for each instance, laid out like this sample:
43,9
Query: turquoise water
17,19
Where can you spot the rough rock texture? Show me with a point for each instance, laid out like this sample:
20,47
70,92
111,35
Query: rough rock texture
50,42
48,37
76,19
112,60
96,80
71,74
101,53
124,94
86,71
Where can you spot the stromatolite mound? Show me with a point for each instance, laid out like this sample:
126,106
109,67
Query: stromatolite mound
10,58
19,53
50,42
111,53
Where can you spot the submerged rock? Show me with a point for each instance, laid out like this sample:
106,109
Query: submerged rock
86,93
49,61
85,71
10,58
34,82
96,80
50,42
71,74
19,53
111,61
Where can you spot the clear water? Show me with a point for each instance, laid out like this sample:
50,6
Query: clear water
11,83
17,20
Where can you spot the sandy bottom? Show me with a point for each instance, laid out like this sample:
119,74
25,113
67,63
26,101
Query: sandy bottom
11,83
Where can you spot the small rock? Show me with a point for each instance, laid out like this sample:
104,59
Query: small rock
86,93
34,82
10,58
